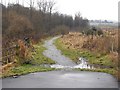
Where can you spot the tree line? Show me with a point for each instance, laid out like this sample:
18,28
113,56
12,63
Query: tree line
19,22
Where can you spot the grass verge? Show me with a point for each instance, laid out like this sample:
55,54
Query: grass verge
25,69
93,58
37,59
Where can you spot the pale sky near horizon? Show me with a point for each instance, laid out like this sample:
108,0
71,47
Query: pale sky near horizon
91,9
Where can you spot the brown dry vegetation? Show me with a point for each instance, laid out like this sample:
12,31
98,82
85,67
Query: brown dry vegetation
19,22
105,45
74,40
108,43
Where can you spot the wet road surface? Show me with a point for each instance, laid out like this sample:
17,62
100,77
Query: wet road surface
62,79
65,78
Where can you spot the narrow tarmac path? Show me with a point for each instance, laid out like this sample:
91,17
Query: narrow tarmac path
61,78
55,54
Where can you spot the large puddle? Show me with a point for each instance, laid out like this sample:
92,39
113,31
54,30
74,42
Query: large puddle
61,60
82,64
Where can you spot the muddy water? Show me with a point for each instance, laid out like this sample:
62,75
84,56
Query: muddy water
83,64
61,60
64,78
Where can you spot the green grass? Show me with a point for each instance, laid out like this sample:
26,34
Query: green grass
71,53
37,59
74,54
25,69
93,58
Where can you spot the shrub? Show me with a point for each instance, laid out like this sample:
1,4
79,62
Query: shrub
62,29
20,26
24,53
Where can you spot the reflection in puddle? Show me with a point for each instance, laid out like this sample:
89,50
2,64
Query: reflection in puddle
83,64
57,66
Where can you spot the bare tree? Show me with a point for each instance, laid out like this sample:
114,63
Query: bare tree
42,4
45,6
17,3
39,3
31,6
51,6
50,9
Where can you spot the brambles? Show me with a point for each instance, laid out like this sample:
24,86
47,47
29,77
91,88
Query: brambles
104,44
100,50
24,53
16,55
28,61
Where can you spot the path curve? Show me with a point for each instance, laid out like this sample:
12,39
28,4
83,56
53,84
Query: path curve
61,60
62,78
55,54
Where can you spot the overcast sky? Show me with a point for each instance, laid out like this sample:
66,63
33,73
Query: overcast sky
91,9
